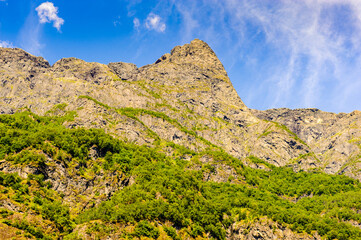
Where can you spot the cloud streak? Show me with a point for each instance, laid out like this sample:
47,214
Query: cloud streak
47,13
300,53
30,35
6,44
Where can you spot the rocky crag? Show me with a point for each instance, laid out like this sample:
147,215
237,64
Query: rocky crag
185,98
191,87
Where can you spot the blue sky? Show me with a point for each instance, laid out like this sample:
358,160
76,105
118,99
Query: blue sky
288,53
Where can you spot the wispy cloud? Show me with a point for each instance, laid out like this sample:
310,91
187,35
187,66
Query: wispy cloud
117,21
47,13
30,34
6,44
305,53
191,23
155,22
136,23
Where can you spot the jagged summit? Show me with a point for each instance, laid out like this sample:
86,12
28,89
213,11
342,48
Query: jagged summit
197,52
184,107
194,70
191,85
17,58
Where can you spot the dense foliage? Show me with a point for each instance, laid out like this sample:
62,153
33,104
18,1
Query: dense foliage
167,188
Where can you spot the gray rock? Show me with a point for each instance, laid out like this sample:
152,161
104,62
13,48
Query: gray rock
125,71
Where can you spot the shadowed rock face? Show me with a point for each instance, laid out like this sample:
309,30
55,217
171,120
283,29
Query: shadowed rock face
334,138
18,59
125,71
190,86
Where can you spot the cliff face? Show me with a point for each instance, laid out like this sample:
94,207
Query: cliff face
334,138
189,85
184,98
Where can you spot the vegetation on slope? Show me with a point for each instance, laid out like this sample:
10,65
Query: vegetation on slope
134,112
170,195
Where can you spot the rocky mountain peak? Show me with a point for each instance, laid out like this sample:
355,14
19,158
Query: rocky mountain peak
67,61
71,63
179,120
16,58
193,74
74,68
197,52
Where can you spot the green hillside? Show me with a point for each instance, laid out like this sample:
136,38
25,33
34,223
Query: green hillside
167,191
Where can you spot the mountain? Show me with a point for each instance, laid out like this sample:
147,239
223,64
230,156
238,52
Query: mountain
168,150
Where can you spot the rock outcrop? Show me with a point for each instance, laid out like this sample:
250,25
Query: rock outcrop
264,229
335,139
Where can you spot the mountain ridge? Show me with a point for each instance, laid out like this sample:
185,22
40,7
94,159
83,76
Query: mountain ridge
192,68
194,77
183,106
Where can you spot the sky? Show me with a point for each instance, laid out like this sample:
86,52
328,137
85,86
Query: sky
278,53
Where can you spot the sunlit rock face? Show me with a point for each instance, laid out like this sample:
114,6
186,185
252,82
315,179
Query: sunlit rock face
190,86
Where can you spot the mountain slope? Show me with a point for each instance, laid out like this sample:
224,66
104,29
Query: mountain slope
168,150
190,86
335,139
82,183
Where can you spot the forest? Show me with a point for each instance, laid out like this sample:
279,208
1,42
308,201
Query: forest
170,194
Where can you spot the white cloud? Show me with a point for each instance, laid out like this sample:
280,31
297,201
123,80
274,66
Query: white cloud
47,13
6,44
154,22
136,23
304,53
